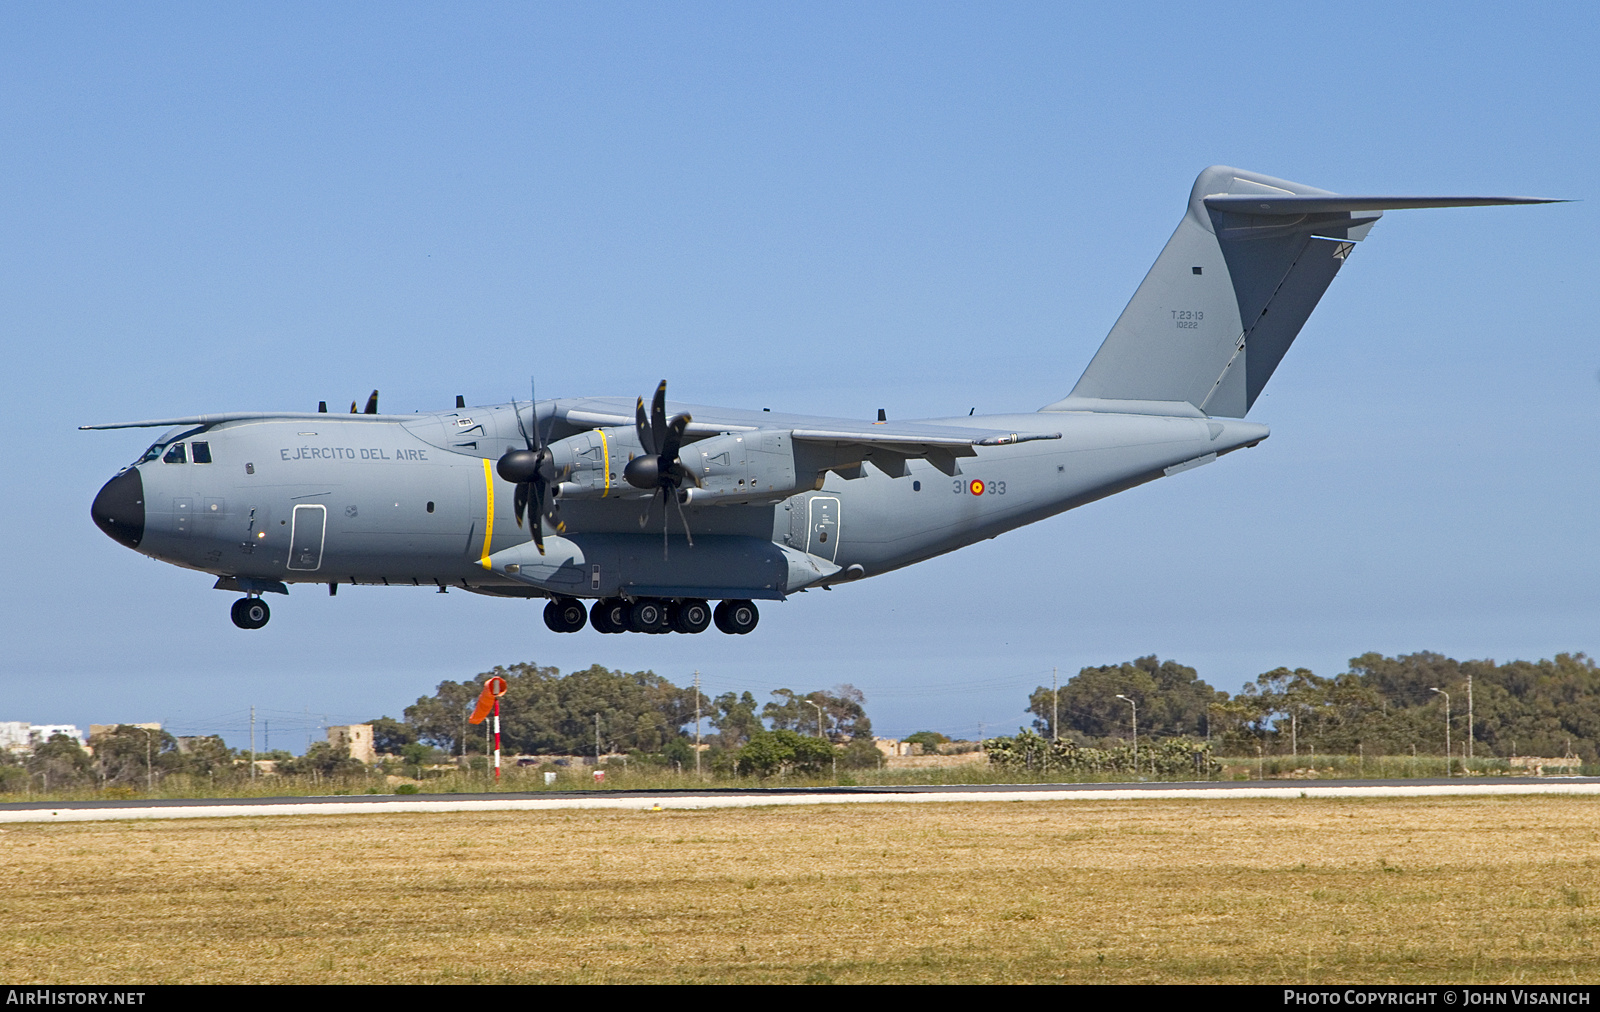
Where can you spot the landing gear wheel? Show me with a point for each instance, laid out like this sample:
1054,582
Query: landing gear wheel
609,615
649,615
250,613
736,617
565,615
691,616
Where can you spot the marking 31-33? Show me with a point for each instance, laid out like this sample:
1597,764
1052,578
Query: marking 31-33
977,486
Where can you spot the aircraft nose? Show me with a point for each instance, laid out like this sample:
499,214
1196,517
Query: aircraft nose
119,508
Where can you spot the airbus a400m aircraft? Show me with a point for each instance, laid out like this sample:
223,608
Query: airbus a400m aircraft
631,518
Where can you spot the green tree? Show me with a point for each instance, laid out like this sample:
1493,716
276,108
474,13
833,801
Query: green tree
843,716
389,736
770,752
135,756
440,720
325,760
861,754
546,713
60,762
735,718
1172,701
929,740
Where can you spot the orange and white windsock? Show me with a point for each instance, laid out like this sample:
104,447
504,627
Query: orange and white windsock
489,702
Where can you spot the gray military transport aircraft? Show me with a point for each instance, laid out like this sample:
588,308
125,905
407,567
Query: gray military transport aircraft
560,499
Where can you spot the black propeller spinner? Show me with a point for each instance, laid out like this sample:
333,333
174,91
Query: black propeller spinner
660,466
533,471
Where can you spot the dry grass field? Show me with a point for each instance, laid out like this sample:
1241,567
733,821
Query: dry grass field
1393,890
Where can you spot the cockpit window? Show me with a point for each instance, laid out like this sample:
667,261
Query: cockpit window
202,452
175,454
154,453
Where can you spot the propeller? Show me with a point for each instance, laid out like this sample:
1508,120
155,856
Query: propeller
660,467
533,471
372,405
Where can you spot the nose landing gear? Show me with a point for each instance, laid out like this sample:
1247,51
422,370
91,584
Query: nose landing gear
250,613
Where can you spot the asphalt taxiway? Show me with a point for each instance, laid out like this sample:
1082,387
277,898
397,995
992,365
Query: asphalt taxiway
374,804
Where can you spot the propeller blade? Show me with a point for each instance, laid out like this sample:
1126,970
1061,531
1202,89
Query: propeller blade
658,419
685,518
536,518
534,442
372,403
521,501
353,410
675,429
645,439
666,521
516,409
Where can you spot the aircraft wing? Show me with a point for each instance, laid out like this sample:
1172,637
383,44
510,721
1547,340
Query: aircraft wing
845,444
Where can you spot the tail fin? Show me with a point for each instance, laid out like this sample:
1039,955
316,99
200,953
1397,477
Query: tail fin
1231,290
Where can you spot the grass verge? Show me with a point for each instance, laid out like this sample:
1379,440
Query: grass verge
1314,891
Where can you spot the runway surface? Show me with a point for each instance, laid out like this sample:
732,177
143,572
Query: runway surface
372,804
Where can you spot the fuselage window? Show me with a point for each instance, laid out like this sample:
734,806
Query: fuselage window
175,454
202,453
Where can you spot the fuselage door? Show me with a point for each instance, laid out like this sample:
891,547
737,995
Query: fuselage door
824,527
306,536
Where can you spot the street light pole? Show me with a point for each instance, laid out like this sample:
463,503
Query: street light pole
1135,731
1447,759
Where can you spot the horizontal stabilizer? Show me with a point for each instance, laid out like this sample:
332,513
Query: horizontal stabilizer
1334,204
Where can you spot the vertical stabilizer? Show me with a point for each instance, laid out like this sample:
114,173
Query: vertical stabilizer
1231,290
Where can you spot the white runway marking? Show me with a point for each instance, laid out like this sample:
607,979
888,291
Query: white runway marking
143,810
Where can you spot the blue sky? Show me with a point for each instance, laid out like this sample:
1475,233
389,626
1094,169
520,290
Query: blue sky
816,207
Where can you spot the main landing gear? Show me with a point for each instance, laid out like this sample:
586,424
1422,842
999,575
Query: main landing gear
651,615
250,613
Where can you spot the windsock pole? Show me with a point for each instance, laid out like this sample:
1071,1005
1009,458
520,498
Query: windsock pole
497,739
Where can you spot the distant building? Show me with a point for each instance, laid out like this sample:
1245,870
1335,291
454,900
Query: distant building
96,730
21,736
355,737
43,732
15,736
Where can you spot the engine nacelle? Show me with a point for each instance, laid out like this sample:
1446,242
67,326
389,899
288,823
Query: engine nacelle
760,466
745,467
590,464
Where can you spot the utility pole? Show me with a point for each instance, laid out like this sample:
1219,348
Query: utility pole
1294,733
816,706
1469,717
597,741
1447,759
1055,707
1135,731
252,741
697,725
